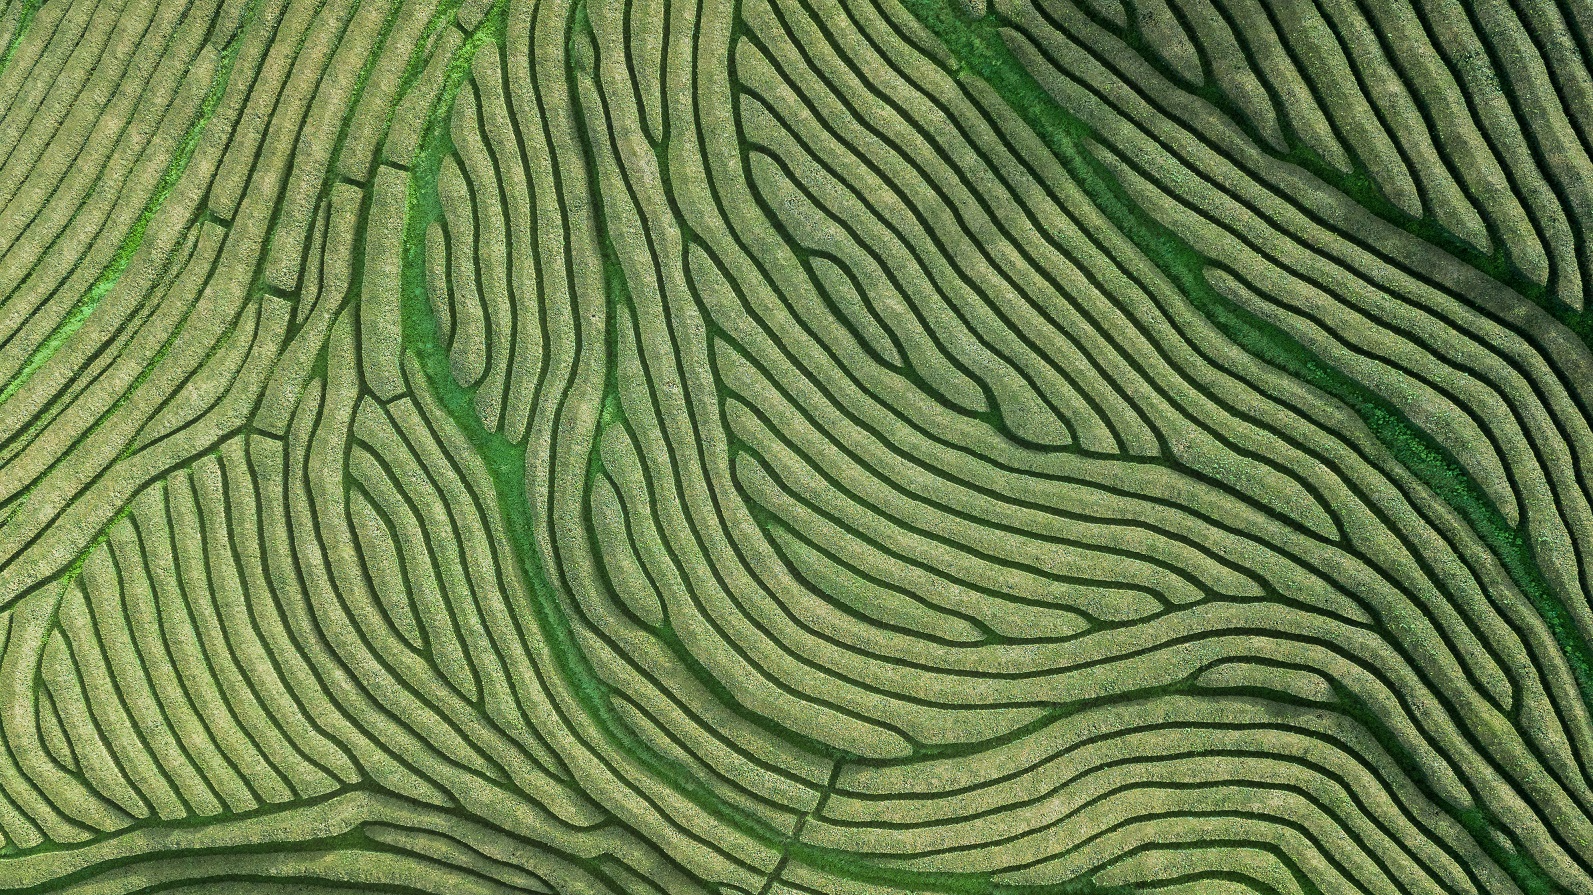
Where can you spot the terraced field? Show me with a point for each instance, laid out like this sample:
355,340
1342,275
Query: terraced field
783,447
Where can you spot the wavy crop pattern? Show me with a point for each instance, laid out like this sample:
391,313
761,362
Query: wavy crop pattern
794,447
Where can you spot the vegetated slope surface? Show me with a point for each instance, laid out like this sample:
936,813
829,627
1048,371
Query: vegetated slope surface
796,446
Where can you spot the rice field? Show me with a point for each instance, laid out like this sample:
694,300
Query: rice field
796,447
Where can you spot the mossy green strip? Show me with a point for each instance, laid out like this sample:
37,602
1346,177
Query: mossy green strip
1357,183
980,50
505,461
978,46
102,286
24,19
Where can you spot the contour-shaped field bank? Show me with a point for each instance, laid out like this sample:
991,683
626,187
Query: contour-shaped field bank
796,447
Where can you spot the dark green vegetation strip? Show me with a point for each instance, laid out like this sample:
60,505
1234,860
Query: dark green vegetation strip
979,48
184,152
24,19
561,621
1358,183
505,461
